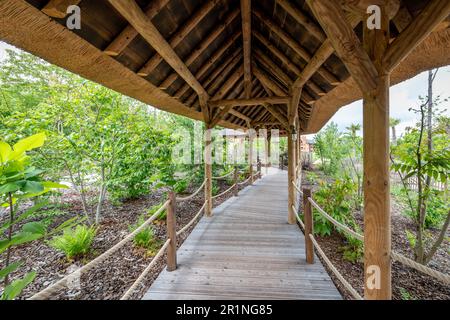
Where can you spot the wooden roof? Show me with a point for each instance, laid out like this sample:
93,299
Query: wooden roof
218,49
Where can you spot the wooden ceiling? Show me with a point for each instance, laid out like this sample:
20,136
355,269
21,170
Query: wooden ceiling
234,63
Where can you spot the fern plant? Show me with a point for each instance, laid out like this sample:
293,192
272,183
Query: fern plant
75,242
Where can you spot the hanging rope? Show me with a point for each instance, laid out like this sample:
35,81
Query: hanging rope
193,219
144,273
420,267
61,284
226,191
192,195
335,222
338,275
223,177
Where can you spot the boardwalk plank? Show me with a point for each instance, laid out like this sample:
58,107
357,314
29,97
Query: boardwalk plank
247,250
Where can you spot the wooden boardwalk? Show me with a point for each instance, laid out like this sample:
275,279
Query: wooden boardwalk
247,250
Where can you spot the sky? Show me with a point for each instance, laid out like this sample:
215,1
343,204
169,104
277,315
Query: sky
402,97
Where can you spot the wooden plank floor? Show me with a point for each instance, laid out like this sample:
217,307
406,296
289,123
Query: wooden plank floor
247,250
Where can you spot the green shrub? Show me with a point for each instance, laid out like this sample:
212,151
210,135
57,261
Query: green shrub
162,216
215,188
181,185
353,250
75,242
146,238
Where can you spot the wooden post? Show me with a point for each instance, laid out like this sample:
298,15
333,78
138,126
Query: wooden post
291,178
269,142
250,154
309,225
377,214
208,173
171,233
266,152
236,176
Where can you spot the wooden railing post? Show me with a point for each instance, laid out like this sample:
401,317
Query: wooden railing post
236,186
309,225
171,233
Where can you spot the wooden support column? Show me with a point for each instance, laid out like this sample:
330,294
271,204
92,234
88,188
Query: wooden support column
377,213
171,233
250,153
208,172
291,178
309,225
269,144
266,150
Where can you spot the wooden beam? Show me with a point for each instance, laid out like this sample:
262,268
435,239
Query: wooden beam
179,36
274,111
203,46
217,77
249,102
319,58
273,67
137,18
218,54
359,7
266,81
377,210
303,19
246,17
290,65
416,32
129,33
229,83
291,42
345,42
58,8
402,19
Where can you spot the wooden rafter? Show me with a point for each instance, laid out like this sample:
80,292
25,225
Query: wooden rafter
416,32
179,36
402,19
217,77
58,8
218,54
137,18
344,40
319,58
267,82
250,102
203,46
303,19
286,61
129,33
246,17
292,43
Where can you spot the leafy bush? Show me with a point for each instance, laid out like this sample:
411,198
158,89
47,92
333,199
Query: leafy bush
146,238
353,251
215,188
162,216
335,199
75,242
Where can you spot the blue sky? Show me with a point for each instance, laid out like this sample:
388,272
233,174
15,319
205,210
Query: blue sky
402,97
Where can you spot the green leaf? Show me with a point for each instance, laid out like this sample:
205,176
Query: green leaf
18,239
24,215
11,268
35,228
5,151
16,287
27,144
10,187
54,185
33,187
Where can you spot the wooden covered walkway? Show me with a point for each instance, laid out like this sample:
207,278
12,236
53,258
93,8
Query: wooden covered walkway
246,250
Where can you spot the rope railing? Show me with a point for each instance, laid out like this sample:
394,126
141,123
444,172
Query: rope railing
224,176
181,199
335,271
146,271
297,188
335,222
60,284
225,192
245,181
394,255
445,278
193,219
